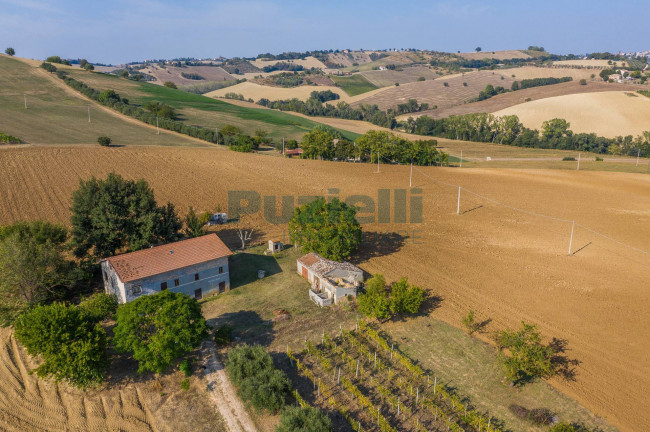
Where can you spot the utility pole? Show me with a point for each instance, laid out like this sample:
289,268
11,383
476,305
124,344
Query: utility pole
217,130
458,205
377,161
461,159
637,157
157,129
282,146
89,114
578,162
25,96
573,224
411,177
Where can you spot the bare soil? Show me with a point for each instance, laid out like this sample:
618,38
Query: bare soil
506,264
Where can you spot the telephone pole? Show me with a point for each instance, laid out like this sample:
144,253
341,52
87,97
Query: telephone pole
89,114
25,96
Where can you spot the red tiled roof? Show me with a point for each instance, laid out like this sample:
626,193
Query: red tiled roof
172,256
293,152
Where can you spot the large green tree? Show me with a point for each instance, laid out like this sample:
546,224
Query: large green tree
10,51
378,301
158,329
374,302
330,229
405,298
70,342
523,356
33,266
115,214
308,419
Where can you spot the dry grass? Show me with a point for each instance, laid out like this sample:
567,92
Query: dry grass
307,63
385,78
173,74
504,264
436,93
498,55
528,72
256,91
509,99
588,63
607,114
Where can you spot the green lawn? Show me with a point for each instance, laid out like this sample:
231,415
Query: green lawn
204,111
354,85
462,362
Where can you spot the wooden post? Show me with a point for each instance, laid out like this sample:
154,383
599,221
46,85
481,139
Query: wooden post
435,382
417,395
157,128
88,114
391,351
375,358
356,374
637,157
578,162
458,205
411,177
461,159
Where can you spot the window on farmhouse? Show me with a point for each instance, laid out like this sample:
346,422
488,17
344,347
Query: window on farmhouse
220,270
196,276
163,286
176,282
136,289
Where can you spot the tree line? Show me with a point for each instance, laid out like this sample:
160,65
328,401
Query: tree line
555,133
326,143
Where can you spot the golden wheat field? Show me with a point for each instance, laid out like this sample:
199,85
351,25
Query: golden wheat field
251,90
610,114
529,72
506,264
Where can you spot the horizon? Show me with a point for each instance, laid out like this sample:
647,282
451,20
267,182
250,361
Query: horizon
160,29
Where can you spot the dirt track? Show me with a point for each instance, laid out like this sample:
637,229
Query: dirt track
505,264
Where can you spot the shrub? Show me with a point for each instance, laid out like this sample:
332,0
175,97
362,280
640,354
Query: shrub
8,139
568,158
192,76
186,367
464,84
104,141
422,79
10,51
223,335
185,384
308,419
89,67
72,346
396,84
471,325
583,82
100,307
170,84
599,159
48,67
378,302
262,385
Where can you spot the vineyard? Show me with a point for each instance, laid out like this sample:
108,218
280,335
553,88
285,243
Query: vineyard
375,387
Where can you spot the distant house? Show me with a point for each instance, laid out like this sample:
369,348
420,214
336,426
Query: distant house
290,153
330,280
195,267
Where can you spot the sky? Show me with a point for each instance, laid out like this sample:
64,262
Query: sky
120,31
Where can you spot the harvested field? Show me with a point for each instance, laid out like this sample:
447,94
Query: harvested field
506,265
257,91
307,63
173,74
608,114
385,78
600,64
498,55
354,85
350,58
436,93
528,72
510,99
141,404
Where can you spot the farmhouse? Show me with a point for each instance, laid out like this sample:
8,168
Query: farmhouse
330,280
296,152
195,267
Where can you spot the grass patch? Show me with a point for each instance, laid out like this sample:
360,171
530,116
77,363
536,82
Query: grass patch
645,93
354,85
460,361
205,111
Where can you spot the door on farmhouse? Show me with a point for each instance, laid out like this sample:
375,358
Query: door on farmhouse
198,294
222,287
305,273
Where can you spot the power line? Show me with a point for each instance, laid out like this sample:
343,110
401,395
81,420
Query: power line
532,213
